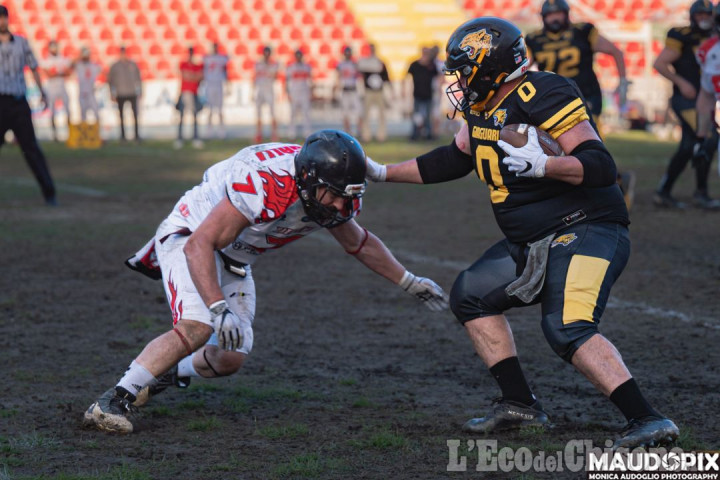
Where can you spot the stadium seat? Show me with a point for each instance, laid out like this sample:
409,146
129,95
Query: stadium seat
296,34
348,19
106,34
119,19
29,6
148,34
163,66
72,6
316,33
299,5
155,50
337,34
176,6
254,34
211,35
204,19
241,50
284,49
357,34
275,34
51,6
183,19
177,50
57,20
248,65
320,5
127,34
308,19
332,64
84,35
197,6
169,34
114,5
112,51
141,19
267,19
191,34
340,5
77,19
135,5
245,19
325,49
224,19
238,6
92,6
258,5
155,5
233,34
70,51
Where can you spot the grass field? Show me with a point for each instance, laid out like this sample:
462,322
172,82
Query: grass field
349,378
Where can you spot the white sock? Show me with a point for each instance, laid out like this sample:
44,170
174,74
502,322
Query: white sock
186,368
136,378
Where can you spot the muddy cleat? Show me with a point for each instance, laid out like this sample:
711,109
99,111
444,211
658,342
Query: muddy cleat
647,432
110,411
508,415
167,379
626,181
702,200
665,200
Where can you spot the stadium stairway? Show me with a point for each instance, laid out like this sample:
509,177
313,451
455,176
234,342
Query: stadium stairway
400,27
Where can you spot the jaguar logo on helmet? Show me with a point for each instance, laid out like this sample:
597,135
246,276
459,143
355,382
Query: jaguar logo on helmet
474,43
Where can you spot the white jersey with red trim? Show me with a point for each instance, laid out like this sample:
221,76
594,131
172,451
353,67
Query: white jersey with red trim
260,182
708,56
299,78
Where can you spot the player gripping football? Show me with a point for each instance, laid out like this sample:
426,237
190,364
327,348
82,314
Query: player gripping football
564,219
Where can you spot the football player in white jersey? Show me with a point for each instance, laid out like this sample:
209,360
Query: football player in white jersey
299,89
347,91
262,198
709,58
87,73
215,76
56,68
266,72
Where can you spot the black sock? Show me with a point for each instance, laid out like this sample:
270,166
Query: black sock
511,380
629,399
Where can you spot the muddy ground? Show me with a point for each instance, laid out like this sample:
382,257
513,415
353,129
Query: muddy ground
349,376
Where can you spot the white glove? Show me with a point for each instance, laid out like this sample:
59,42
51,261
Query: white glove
528,160
227,326
375,171
426,291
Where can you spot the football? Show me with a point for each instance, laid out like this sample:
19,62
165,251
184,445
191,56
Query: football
517,133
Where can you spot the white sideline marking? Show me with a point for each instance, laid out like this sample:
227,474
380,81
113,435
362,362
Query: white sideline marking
613,302
87,191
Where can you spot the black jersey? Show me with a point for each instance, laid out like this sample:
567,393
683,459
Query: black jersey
568,53
528,209
686,41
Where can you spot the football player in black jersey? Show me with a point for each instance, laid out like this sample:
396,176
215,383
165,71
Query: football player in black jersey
677,63
568,50
563,217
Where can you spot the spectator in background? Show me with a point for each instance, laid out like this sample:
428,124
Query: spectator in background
126,87
438,90
266,72
423,73
215,78
56,68
87,73
191,74
346,90
15,115
299,90
375,77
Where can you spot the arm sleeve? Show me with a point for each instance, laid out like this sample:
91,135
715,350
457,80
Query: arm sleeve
674,40
599,168
444,164
30,59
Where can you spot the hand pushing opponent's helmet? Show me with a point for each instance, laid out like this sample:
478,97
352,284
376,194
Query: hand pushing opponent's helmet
336,161
483,54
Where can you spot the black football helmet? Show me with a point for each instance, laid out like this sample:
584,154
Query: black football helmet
335,160
483,54
552,6
701,6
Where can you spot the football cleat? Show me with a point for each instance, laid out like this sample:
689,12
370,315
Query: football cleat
508,415
702,200
167,379
648,431
663,199
110,412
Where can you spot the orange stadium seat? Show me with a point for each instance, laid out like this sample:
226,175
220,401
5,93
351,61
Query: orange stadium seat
348,19
218,6
204,19
280,6
248,65
77,19
114,5
325,49
84,35
29,6
98,19
284,49
112,50
162,19
245,19
340,5
357,34
135,5
183,19
224,19
316,33
72,5
51,6
296,34
275,33
337,34
241,50
162,66
197,6
155,50
169,34
211,35
177,49
233,34
299,5
141,19
127,34
176,6
106,34
62,35
119,19
267,19
155,5
238,6
148,34
70,51
308,19
191,34
57,20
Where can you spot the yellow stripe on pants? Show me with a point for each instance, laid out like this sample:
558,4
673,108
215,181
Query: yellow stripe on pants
585,276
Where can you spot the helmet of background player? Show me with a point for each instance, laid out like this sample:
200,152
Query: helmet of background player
298,55
483,54
716,18
347,53
701,12
554,6
266,51
336,161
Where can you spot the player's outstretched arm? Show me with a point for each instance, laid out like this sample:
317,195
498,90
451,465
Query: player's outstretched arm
440,165
373,253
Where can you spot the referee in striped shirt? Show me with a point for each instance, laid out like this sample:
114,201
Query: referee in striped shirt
15,114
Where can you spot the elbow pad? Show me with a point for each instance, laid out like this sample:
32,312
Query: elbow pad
444,164
599,168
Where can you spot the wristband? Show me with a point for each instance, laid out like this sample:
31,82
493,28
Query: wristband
218,307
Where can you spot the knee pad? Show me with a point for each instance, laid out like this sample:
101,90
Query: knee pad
565,339
468,299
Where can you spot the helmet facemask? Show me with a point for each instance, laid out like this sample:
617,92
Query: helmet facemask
327,216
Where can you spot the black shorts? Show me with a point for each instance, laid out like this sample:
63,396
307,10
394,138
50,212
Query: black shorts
584,262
